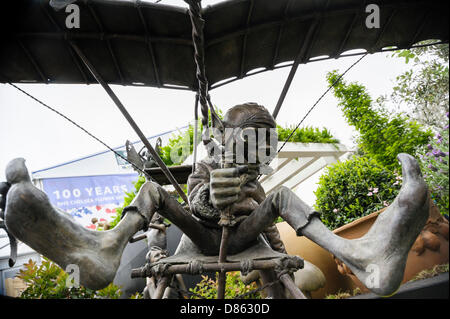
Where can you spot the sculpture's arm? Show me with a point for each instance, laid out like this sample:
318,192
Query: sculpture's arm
199,193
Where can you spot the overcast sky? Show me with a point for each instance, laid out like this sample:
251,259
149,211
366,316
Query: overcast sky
29,130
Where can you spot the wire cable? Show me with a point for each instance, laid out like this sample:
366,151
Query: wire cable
319,99
77,125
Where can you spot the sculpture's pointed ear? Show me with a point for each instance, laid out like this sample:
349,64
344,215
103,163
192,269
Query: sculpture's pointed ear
4,187
16,171
133,156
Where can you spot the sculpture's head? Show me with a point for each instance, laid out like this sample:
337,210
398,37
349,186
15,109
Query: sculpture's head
248,115
254,132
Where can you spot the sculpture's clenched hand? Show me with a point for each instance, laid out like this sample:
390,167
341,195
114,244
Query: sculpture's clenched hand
225,186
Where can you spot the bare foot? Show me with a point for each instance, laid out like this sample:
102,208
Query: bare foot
378,259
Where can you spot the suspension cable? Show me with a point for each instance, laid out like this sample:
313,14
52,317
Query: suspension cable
77,125
319,99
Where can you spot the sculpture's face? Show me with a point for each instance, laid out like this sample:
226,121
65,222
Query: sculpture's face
254,145
249,135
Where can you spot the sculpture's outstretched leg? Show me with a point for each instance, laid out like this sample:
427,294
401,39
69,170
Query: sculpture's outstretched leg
382,251
31,218
379,257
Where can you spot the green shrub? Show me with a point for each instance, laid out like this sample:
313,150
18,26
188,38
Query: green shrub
207,288
434,162
382,137
127,200
354,188
137,295
179,147
305,135
48,281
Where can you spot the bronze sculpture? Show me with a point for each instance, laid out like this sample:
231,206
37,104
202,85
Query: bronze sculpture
30,218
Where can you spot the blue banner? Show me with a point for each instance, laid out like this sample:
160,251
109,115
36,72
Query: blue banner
75,192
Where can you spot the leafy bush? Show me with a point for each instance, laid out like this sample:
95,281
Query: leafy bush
127,201
305,135
207,288
137,295
49,281
354,188
422,92
382,137
179,147
434,164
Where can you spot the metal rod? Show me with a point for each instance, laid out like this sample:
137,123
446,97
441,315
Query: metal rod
162,284
115,62
33,62
104,36
77,64
194,160
419,29
280,31
148,44
145,271
347,34
137,238
222,259
350,28
291,287
294,67
99,23
383,29
130,120
244,41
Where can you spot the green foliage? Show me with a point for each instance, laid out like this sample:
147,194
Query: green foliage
430,273
434,162
354,188
207,288
179,147
344,294
422,92
381,137
305,135
48,281
127,201
137,295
